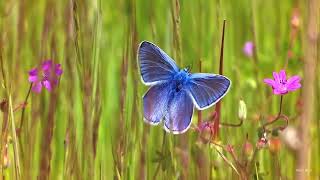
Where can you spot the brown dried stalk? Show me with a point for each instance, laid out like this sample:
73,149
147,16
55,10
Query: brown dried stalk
308,91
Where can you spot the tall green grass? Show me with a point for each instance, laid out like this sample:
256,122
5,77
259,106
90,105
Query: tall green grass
91,126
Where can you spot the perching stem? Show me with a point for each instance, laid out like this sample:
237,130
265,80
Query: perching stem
218,106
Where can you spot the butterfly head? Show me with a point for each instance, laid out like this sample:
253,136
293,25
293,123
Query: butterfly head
187,69
180,79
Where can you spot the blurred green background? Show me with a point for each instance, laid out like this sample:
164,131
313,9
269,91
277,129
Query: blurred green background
91,126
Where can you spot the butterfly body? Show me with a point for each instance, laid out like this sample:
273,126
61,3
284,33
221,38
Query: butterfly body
174,92
180,80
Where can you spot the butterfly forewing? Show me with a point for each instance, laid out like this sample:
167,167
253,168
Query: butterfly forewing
155,65
207,89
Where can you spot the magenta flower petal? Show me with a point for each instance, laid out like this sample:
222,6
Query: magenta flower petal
270,82
282,76
58,70
294,83
293,80
36,87
47,85
294,87
279,91
203,126
276,77
33,75
47,65
46,76
276,91
248,48
33,72
281,85
33,78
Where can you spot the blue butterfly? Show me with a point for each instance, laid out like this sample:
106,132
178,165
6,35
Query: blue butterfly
174,92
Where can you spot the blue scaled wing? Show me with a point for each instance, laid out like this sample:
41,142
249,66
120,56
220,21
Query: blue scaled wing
207,89
155,103
180,110
155,65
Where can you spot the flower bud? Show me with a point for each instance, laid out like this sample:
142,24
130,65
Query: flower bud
274,144
242,113
248,48
290,138
5,160
263,140
248,149
205,131
295,19
262,143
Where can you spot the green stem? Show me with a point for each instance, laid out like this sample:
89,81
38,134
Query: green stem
15,144
232,125
23,110
279,116
252,161
162,152
280,109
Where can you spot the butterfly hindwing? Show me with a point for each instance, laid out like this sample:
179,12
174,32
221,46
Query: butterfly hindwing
155,103
207,89
155,65
180,110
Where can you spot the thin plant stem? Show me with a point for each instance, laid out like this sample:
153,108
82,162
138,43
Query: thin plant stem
23,109
232,125
227,161
283,117
4,86
15,143
252,161
218,106
11,117
309,91
280,108
21,120
175,15
162,150
221,49
216,144
256,169
279,116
